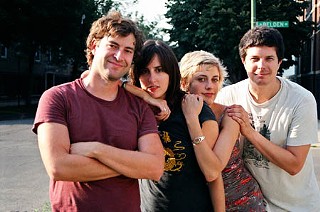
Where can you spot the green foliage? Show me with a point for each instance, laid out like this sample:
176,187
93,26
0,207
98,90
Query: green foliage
222,24
218,25
45,208
297,33
184,17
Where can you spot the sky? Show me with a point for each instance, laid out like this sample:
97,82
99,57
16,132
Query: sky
152,10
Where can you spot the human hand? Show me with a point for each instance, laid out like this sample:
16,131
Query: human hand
84,74
237,113
192,105
86,149
162,111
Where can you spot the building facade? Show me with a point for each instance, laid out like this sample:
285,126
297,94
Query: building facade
307,72
23,81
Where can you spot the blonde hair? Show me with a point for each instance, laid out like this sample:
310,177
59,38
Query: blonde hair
191,62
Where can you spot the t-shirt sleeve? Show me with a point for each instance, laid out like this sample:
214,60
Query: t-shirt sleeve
304,126
148,121
206,114
51,108
225,96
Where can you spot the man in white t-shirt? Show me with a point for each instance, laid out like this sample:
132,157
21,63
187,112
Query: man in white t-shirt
278,120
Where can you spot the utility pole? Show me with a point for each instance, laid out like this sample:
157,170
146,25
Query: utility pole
253,13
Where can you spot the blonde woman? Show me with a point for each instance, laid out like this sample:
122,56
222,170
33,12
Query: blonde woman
203,74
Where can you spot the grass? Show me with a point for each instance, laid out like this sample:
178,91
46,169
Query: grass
45,208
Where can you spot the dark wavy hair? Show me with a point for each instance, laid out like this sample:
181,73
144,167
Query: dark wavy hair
169,64
262,36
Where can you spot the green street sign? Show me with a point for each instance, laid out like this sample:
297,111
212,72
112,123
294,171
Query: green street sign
273,24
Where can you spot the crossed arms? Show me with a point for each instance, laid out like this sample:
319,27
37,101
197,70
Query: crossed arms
90,161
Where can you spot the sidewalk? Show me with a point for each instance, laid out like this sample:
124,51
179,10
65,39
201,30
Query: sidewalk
24,182
315,149
317,145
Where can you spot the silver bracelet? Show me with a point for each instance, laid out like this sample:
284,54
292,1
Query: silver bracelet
124,84
198,140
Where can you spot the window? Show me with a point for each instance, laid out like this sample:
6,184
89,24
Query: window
4,51
49,55
37,55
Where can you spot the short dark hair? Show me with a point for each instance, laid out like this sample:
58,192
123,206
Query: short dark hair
169,64
262,36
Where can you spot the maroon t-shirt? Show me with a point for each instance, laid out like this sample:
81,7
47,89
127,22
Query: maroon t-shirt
118,123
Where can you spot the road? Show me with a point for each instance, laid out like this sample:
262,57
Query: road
23,179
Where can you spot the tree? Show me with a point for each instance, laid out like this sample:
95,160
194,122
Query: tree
218,25
224,22
58,26
184,18
296,34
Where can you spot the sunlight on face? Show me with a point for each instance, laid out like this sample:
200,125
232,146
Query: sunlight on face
113,56
205,82
261,64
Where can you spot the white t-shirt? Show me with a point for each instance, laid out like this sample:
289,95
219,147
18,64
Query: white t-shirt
288,119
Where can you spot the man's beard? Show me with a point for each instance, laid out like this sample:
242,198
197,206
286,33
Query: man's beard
116,78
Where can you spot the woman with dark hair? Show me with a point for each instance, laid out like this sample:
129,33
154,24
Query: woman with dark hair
188,136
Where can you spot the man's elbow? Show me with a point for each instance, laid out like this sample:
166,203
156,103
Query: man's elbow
294,170
157,171
157,174
55,173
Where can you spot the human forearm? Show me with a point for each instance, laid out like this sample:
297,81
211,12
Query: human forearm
145,163
228,135
139,92
132,164
217,194
54,146
164,110
289,158
207,160
79,169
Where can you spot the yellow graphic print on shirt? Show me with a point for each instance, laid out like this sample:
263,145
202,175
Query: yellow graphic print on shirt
173,153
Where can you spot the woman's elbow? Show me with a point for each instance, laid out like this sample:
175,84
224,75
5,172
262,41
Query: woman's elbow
212,176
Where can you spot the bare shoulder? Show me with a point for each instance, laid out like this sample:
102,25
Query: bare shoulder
218,110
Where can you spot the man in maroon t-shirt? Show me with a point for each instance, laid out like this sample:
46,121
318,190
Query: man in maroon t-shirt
95,138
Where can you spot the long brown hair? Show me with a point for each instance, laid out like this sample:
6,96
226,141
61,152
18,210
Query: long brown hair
169,64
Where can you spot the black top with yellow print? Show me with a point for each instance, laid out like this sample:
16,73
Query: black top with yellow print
182,186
